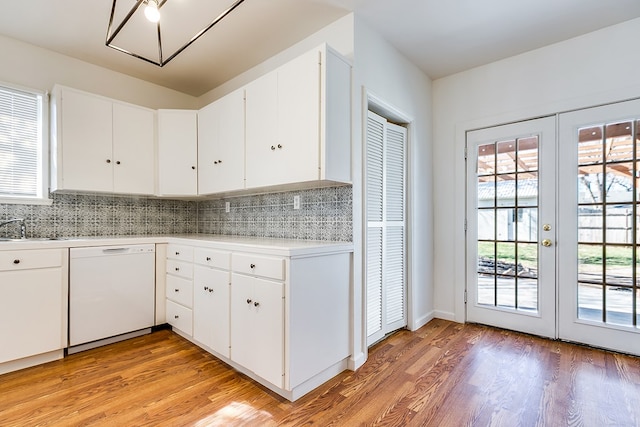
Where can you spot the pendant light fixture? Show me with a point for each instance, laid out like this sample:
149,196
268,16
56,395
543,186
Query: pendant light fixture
165,25
151,11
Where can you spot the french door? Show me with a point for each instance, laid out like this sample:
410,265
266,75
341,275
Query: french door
553,212
511,226
599,216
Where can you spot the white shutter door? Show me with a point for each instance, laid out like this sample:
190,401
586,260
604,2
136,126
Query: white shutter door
394,288
374,284
386,255
394,241
374,194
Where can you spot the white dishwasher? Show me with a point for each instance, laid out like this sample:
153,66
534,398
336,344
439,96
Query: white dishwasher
111,294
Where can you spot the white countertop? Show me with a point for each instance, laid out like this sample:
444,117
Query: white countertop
283,247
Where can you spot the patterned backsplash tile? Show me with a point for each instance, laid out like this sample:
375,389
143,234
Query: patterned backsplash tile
87,215
324,214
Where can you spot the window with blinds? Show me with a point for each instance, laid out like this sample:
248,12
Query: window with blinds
21,144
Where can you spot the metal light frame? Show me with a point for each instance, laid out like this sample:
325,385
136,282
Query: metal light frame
162,62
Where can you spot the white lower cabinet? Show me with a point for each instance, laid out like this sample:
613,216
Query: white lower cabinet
257,326
33,307
180,317
280,315
179,288
211,308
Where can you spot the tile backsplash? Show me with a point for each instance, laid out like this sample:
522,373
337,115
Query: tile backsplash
324,214
74,215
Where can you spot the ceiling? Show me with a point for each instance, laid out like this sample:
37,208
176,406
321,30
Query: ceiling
442,37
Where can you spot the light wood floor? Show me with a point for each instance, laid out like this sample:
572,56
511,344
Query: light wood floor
445,374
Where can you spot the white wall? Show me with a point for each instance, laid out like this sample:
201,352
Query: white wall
36,68
380,70
338,35
596,68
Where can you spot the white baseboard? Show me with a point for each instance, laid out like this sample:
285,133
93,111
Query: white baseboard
444,315
420,322
356,361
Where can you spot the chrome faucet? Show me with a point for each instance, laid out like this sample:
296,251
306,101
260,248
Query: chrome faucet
23,226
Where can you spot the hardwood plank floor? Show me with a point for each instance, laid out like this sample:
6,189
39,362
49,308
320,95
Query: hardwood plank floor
444,374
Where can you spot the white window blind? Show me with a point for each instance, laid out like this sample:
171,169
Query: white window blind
20,144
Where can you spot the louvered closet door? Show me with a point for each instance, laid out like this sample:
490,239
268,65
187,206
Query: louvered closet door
386,255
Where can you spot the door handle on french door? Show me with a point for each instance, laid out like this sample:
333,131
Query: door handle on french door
546,243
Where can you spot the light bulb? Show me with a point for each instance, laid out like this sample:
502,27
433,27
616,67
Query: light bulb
151,11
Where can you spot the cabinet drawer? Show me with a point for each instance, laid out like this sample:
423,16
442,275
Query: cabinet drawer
180,268
212,258
30,259
180,290
180,317
270,267
180,252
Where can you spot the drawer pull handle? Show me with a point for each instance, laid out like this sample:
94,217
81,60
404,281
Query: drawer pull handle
208,258
16,261
255,304
210,290
177,253
177,268
206,288
177,290
176,317
273,148
252,266
248,301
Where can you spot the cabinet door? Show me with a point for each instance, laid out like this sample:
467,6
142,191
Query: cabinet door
297,158
180,317
261,130
133,150
211,308
242,320
268,330
86,142
221,145
257,326
177,153
31,313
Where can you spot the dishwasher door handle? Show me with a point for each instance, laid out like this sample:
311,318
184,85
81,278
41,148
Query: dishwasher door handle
115,250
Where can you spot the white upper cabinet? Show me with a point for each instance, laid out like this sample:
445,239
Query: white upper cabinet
298,125
133,150
101,145
221,145
177,152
